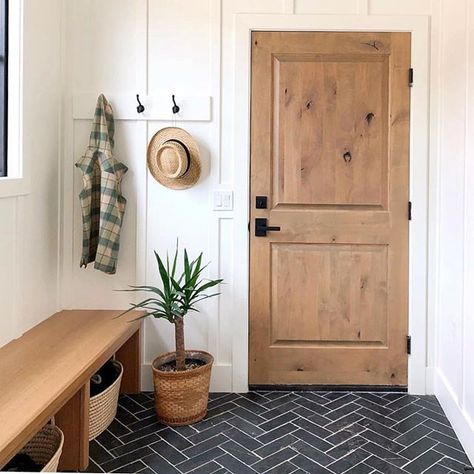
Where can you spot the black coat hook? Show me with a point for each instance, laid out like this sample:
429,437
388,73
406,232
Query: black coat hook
175,106
140,107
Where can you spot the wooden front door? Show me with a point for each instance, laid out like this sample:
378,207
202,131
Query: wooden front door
330,152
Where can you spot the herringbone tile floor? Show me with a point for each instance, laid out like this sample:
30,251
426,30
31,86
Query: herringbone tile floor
285,432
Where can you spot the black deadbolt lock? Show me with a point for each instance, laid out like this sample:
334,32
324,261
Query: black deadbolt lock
261,202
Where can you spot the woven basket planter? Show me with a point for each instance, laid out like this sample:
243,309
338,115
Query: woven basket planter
103,407
45,448
181,397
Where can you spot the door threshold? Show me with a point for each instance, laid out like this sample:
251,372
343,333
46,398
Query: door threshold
328,388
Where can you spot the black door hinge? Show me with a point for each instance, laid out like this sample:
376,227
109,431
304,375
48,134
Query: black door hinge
409,210
408,345
410,77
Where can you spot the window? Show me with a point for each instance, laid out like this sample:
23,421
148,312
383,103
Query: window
3,85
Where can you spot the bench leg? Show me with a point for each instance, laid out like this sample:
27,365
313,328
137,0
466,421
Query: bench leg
73,419
129,356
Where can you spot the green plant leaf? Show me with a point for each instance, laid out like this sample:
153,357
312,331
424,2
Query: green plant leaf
145,289
186,266
207,285
175,260
164,275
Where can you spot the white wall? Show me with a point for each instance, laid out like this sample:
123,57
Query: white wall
187,47
29,233
453,229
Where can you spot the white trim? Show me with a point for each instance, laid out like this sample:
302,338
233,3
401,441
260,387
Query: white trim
419,27
461,421
17,182
289,6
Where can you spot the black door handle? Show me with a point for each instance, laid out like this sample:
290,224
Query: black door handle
261,227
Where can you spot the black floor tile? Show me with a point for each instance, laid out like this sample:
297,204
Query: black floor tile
312,440
361,468
210,443
134,445
285,433
274,460
245,426
277,433
159,464
125,459
209,433
98,453
243,439
93,467
307,465
108,440
385,454
200,459
451,453
383,466
413,435
171,454
349,461
135,466
423,462
454,465
239,452
312,453
418,448
234,466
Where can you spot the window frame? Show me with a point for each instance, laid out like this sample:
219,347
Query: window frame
17,181
5,38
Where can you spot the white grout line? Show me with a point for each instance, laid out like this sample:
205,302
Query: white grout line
242,446
180,451
421,454
104,448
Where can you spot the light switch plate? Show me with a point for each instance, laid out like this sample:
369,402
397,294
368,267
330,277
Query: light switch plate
223,200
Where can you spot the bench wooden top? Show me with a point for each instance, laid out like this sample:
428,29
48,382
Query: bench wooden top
43,369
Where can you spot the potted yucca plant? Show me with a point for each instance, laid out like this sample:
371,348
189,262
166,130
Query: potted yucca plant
181,378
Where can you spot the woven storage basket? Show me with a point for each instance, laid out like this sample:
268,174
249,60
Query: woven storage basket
103,407
181,397
45,448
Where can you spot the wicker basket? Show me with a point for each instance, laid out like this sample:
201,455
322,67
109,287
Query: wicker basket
103,407
181,397
46,447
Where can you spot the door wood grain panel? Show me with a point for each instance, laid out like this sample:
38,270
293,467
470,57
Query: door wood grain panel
329,293
330,150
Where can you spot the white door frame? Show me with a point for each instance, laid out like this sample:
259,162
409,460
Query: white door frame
419,149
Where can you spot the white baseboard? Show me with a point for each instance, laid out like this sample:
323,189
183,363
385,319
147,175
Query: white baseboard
221,378
462,423
430,376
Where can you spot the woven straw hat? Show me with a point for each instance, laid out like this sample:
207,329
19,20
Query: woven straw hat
173,158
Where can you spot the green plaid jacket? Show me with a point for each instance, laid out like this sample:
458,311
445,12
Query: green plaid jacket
102,203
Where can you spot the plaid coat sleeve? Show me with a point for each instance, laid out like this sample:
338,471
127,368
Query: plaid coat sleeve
102,202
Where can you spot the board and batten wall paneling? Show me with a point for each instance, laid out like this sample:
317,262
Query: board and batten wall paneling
323,7
188,47
453,373
29,233
453,104
401,7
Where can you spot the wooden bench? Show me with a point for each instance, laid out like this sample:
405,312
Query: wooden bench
45,373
